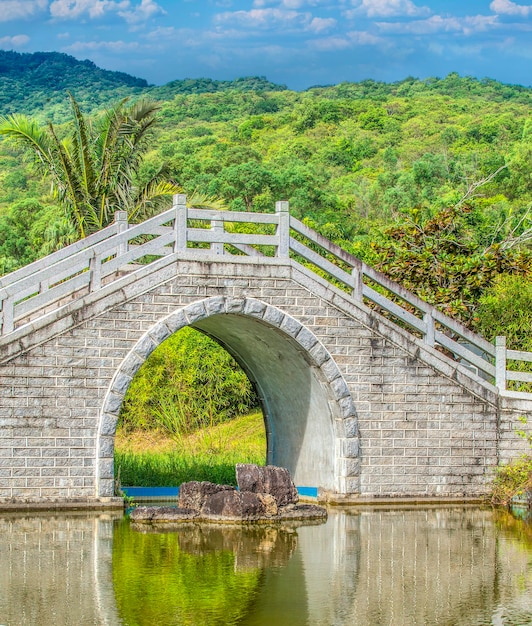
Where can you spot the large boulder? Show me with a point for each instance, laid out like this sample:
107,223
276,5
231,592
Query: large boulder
161,514
192,495
265,494
239,506
270,479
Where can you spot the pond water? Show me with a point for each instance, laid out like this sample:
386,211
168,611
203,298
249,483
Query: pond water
448,566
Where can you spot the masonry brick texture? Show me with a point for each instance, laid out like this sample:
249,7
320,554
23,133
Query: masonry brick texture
421,433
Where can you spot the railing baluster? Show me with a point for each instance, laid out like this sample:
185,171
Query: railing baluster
8,315
181,218
283,228
358,283
500,363
95,268
217,226
121,227
431,331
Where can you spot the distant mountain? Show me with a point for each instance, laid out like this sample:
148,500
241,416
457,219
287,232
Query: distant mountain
37,84
207,85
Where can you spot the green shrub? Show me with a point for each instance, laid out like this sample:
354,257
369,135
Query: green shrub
506,309
512,480
187,383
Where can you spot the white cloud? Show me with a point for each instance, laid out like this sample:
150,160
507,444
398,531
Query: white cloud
363,38
163,32
330,44
131,12
506,7
70,9
141,12
389,8
275,19
260,18
111,46
437,24
16,41
289,4
350,40
17,9
321,24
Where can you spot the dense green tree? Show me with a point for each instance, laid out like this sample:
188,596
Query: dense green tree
188,382
505,308
30,230
440,260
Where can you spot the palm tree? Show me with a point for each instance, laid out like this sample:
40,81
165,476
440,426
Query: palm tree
94,171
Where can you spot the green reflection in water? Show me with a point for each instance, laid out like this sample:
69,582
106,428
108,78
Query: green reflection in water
193,574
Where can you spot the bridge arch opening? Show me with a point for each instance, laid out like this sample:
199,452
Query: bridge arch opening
310,419
189,407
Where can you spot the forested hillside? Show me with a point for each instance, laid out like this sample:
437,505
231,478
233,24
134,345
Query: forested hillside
431,181
37,83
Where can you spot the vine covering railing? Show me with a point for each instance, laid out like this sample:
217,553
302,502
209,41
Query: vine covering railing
99,260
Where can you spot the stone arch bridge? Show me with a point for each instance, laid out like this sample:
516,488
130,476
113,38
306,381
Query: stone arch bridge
367,391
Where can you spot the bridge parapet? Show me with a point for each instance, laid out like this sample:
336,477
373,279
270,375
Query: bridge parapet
101,259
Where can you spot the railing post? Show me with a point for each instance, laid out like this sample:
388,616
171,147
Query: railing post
283,228
358,283
500,363
95,267
8,315
217,227
181,218
122,225
430,339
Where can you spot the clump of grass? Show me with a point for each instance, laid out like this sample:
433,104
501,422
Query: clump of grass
153,460
512,480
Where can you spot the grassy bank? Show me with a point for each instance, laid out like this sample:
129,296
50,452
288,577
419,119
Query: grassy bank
152,459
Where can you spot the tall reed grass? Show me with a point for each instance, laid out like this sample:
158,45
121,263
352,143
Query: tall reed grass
208,454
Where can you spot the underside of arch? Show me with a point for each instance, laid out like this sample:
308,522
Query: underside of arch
309,415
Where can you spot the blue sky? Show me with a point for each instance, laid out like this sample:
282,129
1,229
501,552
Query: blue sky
296,42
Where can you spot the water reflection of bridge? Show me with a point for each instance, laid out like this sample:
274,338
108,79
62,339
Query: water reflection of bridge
362,567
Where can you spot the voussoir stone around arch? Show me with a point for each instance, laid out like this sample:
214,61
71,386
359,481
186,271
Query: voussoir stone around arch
219,305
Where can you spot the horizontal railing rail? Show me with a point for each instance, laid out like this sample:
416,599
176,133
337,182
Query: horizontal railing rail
88,265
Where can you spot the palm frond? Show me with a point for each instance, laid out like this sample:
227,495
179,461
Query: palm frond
82,153
29,134
198,200
69,188
152,198
95,170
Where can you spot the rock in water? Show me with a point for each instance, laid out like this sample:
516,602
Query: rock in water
272,480
266,494
239,506
192,495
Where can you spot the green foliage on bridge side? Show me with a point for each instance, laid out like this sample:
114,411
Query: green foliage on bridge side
512,480
446,263
506,309
189,382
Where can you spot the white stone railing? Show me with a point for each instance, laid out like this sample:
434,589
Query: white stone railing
99,260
